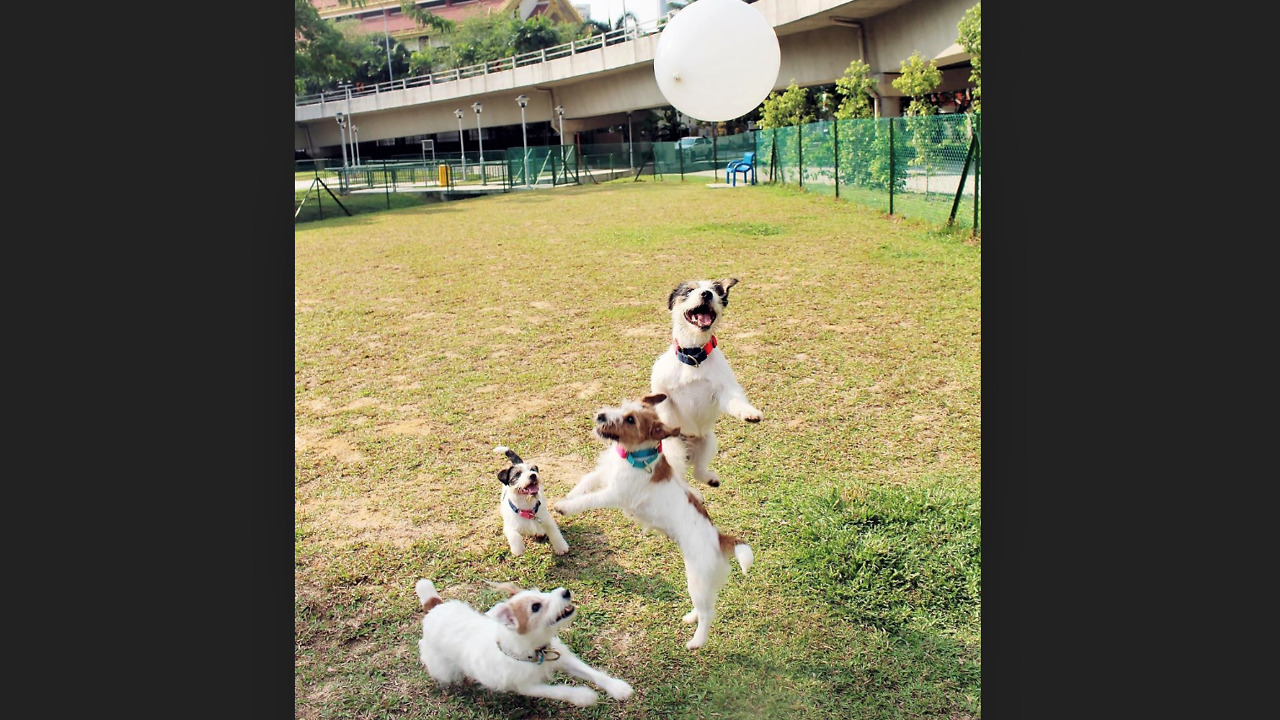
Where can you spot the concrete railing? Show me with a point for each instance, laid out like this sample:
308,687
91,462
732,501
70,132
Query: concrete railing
597,42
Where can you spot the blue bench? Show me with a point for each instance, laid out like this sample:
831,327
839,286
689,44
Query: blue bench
746,166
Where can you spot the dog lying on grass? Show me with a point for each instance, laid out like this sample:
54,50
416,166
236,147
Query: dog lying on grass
514,647
635,475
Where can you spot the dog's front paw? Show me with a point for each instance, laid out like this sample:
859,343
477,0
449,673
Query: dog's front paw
619,690
558,508
583,697
752,415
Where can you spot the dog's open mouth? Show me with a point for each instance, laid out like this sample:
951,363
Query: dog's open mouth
568,610
530,489
607,435
702,316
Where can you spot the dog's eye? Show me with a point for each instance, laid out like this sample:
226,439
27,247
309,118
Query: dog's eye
536,607
630,420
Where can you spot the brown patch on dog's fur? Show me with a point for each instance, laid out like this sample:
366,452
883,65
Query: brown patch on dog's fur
697,505
727,543
430,603
661,471
520,610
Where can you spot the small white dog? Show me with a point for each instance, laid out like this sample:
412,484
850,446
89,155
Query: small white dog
512,648
522,508
637,476
697,380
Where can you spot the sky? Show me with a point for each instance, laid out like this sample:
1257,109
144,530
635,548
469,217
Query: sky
609,10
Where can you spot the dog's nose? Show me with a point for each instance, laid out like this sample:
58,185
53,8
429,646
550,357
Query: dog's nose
564,594
600,418
706,295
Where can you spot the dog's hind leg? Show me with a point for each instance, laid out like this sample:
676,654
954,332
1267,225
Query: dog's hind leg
580,696
705,581
701,451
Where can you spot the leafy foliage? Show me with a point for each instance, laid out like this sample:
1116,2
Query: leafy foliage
970,28
856,86
786,109
917,80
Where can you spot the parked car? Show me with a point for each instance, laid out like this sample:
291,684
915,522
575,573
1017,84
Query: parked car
695,148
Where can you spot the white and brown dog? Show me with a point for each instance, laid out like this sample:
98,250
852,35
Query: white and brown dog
512,648
524,514
695,377
638,477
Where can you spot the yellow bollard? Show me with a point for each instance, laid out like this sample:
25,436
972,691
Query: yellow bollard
444,175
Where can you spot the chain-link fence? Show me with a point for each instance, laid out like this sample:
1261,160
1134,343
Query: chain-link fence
925,167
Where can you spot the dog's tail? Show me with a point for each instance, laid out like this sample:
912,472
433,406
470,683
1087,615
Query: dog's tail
742,551
427,594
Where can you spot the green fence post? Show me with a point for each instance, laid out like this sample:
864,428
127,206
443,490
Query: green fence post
977,174
964,173
386,183
800,152
893,178
835,125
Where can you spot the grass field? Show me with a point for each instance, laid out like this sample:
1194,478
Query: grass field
425,336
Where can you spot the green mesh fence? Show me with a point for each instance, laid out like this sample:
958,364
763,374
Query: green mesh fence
920,167
542,165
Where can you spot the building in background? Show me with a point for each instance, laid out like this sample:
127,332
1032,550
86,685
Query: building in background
386,16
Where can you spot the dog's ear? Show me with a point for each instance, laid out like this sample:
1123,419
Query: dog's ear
722,288
681,290
504,476
654,399
509,588
511,454
502,613
661,432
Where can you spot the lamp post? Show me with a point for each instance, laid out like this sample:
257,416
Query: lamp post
560,112
355,142
462,147
342,135
631,161
480,136
347,88
524,101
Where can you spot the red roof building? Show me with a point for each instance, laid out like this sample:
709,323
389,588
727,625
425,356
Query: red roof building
378,16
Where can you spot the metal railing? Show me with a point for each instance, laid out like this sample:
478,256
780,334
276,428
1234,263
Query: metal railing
596,42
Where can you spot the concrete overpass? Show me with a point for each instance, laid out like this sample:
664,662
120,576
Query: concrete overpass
597,85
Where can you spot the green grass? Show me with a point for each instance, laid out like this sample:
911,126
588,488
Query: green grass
428,334
357,203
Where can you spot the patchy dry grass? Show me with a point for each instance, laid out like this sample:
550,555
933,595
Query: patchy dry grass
428,335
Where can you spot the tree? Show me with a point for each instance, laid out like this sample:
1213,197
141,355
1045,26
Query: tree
970,28
918,80
785,109
856,86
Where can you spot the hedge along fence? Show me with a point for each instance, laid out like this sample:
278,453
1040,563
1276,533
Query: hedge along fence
925,167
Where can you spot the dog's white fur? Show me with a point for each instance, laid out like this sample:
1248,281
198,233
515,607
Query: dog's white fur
698,395
501,649
657,497
522,487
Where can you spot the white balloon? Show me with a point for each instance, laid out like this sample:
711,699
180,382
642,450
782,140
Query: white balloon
717,60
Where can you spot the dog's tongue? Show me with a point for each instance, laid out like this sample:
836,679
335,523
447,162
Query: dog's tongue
702,320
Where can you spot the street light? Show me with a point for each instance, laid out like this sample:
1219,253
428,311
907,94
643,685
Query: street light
347,88
355,142
480,134
523,100
462,147
342,135
560,112
631,161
